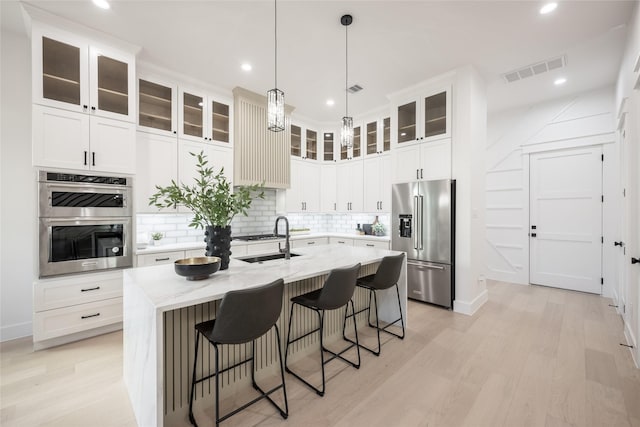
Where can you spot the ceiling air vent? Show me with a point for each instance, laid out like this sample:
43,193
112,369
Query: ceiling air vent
354,89
535,69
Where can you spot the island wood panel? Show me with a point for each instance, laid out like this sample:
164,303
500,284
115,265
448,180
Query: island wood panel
179,342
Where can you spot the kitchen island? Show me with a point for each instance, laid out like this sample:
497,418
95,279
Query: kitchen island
161,309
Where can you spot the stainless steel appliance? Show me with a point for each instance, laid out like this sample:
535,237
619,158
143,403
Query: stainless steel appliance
84,223
423,224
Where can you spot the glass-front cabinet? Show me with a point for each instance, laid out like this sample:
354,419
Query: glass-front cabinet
157,107
71,74
304,143
328,147
203,118
356,150
425,119
378,137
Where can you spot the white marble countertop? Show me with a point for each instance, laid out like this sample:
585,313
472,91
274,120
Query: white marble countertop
200,245
168,291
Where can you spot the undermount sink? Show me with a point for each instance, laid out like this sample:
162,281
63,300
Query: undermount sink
262,258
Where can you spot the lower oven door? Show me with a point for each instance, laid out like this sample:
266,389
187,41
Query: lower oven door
73,245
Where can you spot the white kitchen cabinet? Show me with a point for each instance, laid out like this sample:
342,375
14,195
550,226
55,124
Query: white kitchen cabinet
426,161
377,138
157,164
304,143
355,151
371,244
204,118
329,151
328,189
159,258
312,241
75,74
195,253
263,248
304,194
217,157
340,241
426,117
71,140
377,184
79,303
157,106
349,176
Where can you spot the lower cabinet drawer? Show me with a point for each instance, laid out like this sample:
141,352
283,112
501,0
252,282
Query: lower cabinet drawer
159,258
371,244
301,243
69,320
340,241
63,292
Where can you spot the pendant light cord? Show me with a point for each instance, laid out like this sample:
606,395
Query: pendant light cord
346,67
275,37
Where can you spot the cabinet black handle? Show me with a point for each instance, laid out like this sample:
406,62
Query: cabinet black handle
618,244
421,176
85,158
370,245
90,315
635,260
174,132
93,108
162,259
417,176
533,234
90,289
533,227
93,158
311,243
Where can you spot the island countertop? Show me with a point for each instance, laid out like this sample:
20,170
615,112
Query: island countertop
166,290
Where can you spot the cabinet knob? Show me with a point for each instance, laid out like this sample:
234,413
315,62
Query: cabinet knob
85,107
174,132
93,108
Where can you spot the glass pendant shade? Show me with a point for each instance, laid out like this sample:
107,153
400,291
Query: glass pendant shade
346,136
275,110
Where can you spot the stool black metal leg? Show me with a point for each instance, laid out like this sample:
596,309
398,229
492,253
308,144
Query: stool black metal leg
400,309
286,350
284,414
375,302
355,330
192,418
321,317
217,385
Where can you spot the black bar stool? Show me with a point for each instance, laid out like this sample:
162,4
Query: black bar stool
386,276
243,317
336,292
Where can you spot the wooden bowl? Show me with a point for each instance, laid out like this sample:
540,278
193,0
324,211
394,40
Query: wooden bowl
197,268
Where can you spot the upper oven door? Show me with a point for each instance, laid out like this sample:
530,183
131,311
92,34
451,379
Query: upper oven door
61,200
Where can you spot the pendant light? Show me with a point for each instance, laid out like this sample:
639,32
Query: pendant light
346,136
275,97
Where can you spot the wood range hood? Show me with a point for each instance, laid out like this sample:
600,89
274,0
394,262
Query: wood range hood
260,155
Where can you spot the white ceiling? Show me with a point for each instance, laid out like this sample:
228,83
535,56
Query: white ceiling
392,44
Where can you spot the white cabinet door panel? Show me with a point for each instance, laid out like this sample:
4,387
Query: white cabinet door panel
157,164
435,160
113,145
406,164
328,196
60,138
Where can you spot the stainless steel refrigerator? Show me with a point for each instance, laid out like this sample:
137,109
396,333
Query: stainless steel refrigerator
423,226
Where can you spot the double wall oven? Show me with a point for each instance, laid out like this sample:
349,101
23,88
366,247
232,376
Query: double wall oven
85,223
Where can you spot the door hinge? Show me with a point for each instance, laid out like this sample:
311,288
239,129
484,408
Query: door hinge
602,280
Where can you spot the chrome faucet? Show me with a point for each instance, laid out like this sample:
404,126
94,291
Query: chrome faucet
287,250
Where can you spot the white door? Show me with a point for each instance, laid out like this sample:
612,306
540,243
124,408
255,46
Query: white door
113,145
157,164
328,183
566,219
294,193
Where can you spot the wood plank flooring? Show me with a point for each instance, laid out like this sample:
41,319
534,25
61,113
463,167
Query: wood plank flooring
532,356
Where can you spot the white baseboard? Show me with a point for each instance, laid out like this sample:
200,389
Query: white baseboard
470,307
66,339
631,340
17,330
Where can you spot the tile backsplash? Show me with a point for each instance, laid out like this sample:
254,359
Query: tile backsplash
261,218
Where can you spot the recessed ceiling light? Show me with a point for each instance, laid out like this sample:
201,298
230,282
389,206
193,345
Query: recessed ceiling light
327,135
330,102
548,8
403,134
102,4
560,81
246,66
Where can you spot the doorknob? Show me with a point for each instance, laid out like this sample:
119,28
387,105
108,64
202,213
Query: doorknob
621,244
635,260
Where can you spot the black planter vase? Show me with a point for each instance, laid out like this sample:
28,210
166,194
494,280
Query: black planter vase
218,240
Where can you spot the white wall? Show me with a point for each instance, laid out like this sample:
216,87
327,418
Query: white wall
17,189
579,120
467,158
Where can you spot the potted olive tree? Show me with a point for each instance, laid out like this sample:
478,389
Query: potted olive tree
213,203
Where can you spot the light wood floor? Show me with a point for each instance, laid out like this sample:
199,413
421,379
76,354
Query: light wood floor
532,356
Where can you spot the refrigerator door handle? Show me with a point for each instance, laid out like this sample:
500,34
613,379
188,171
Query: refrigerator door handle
431,266
421,222
415,216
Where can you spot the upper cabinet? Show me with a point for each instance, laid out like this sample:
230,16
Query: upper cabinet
157,106
378,136
355,152
426,118
71,73
204,118
304,143
329,154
